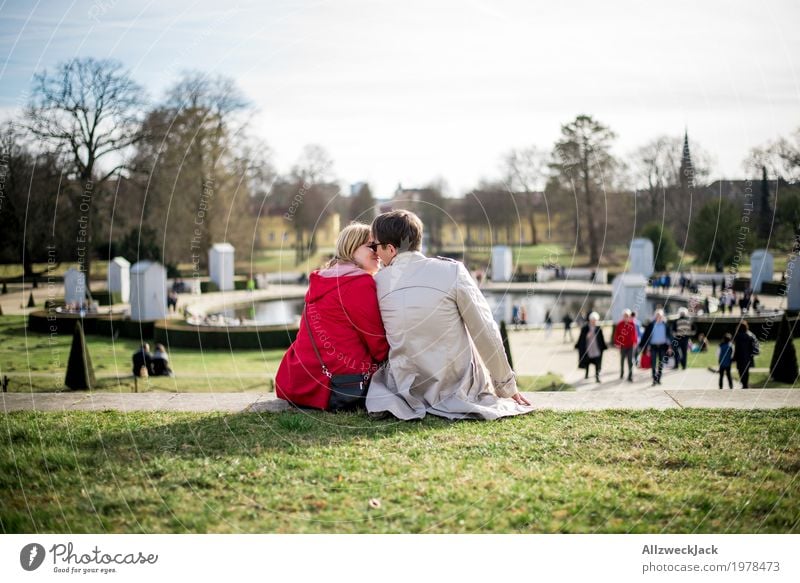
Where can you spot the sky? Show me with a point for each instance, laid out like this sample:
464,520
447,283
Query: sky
409,92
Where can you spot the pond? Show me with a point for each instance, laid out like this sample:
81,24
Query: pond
287,312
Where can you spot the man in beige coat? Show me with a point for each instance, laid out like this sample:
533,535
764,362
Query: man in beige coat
446,357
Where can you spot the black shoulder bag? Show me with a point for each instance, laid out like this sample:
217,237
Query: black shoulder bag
347,391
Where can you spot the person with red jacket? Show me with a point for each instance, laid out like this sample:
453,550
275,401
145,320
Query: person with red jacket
626,339
341,311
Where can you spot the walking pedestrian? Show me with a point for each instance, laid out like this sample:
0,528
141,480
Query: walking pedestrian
682,331
625,338
725,358
746,348
591,346
567,319
657,340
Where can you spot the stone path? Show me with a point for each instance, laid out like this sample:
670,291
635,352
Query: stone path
660,399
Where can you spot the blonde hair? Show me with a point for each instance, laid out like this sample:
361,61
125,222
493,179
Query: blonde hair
351,238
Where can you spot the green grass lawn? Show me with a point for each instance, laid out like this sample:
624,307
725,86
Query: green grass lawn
678,471
45,357
706,359
211,370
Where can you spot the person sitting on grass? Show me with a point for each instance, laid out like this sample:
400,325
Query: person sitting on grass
701,345
143,361
161,362
725,359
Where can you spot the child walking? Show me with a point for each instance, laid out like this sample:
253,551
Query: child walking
725,359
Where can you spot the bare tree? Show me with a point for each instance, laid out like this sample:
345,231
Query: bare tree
199,169
525,170
781,157
312,178
668,175
90,110
656,168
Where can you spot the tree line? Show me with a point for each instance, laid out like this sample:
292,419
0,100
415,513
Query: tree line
93,169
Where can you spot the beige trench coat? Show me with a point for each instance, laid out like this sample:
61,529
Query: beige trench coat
446,356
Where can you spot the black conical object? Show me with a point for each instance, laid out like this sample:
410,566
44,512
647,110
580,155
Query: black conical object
506,344
783,367
31,302
80,373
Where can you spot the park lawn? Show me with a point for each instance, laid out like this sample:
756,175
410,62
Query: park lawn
23,352
676,471
709,358
758,380
277,260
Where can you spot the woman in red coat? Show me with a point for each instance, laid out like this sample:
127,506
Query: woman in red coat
341,308
626,339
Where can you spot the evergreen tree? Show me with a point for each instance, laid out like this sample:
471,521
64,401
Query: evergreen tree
80,373
783,367
764,209
362,205
666,250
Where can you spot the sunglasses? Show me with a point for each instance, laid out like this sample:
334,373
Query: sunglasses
373,246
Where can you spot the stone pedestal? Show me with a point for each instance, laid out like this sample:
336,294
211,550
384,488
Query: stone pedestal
148,291
761,268
502,263
119,278
642,257
220,265
74,286
628,292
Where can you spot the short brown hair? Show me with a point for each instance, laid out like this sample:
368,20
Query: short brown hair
403,229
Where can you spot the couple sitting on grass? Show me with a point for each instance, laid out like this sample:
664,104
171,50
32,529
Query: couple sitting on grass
418,329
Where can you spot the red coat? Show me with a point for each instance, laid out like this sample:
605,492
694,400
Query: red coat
342,308
625,334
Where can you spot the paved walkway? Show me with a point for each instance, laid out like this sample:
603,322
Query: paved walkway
267,402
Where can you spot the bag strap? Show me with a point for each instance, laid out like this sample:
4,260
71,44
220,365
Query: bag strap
325,370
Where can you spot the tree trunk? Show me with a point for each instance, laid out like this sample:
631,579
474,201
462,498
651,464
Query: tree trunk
532,221
593,251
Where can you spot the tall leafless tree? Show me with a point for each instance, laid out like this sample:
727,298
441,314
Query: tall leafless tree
525,170
90,110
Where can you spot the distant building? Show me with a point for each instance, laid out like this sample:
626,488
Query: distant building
275,231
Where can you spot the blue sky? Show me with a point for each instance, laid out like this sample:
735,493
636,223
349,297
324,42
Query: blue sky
408,91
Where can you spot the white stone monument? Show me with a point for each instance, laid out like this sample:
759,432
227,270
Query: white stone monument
502,263
761,268
148,291
793,285
220,265
641,257
119,278
628,292
74,286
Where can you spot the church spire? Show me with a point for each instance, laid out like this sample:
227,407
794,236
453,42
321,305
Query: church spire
687,168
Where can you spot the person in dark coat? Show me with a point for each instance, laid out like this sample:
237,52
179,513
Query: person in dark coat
143,358
567,319
161,362
682,331
657,338
745,349
591,346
